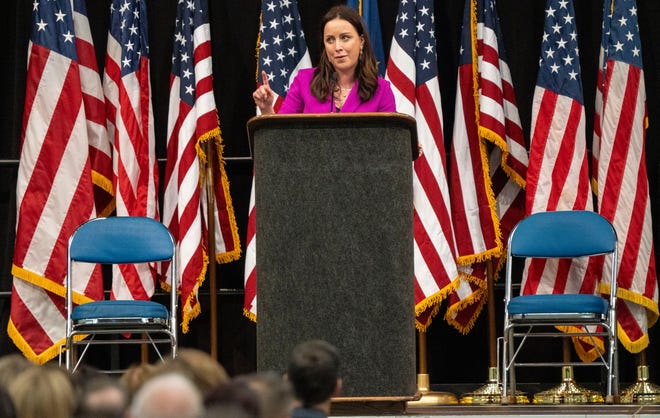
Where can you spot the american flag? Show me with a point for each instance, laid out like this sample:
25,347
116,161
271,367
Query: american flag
412,70
281,52
192,124
558,153
130,125
100,147
557,176
621,177
54,188
489,160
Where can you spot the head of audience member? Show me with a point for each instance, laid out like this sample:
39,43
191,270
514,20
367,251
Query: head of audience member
43,391
7,409
314,374
232,399
168,395
10,366
102,396
133,378
202,369
275,393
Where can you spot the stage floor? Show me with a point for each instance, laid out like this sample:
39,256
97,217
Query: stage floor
439,404
501,411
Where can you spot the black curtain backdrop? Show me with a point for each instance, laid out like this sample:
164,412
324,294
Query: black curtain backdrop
453,358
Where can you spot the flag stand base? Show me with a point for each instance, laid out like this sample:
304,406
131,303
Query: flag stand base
491,392
430,398
567,392
642,391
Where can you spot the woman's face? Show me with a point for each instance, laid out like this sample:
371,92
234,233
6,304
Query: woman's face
342,45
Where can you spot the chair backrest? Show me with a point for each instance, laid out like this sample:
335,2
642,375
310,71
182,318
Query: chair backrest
562,234
121,240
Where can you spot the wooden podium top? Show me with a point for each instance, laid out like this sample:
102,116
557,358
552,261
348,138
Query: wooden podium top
367,119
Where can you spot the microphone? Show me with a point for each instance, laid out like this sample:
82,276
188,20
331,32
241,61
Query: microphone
334,80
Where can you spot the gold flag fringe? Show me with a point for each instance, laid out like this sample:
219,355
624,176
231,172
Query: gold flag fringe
498,141
651,313
497,251
47,355
477,297
630,345
485,136
105,184
20,342
190,311
256,48
47,284
433,303
249,315
216,136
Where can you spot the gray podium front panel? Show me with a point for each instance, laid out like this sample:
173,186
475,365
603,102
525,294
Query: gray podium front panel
335,249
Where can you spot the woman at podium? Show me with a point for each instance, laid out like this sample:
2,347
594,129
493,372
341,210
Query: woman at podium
346,78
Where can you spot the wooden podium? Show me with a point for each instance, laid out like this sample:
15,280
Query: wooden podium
334,220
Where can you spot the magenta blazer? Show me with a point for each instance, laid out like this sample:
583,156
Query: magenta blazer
299,99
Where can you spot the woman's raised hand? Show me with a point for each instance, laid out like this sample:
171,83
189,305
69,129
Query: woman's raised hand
263,96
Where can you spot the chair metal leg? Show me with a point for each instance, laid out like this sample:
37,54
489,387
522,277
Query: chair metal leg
70,355
114,357
512,362
78,359
613,371
508,369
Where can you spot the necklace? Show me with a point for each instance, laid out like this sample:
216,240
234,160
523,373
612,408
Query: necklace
343,93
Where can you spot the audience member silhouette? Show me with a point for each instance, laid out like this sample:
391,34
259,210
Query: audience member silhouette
101,396
198,366
275,393
43,391
7,409
136,375
314,373
11,365
193,385
169,395
233,399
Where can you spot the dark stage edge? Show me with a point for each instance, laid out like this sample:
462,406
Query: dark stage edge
399,409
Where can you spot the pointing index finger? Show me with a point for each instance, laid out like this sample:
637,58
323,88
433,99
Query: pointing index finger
264,77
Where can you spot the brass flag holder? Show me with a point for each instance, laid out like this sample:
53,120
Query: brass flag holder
428,398
642,391
491,392
568,391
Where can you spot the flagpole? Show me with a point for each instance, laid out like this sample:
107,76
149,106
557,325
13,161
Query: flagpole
492,333
428,398
210,205
491,392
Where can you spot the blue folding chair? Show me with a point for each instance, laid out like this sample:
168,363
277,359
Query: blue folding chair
120,240
563,234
